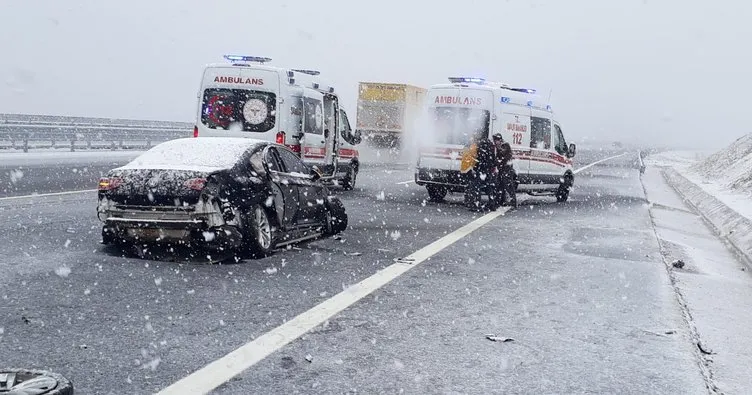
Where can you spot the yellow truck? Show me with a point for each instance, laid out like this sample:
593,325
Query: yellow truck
387,111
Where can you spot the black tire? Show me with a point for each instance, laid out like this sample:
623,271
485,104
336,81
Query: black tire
336,216
562,194
29,381
258,231
436,193
108,236
348,183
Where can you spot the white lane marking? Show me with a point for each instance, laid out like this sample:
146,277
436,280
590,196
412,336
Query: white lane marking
597,162
48,194
405,182
223,369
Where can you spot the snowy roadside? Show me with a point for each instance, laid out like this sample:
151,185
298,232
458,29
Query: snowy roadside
714,192
10,159
713,287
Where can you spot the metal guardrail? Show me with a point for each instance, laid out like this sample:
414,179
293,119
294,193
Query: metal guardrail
24,132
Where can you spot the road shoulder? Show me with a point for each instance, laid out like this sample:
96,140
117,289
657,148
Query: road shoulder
713,286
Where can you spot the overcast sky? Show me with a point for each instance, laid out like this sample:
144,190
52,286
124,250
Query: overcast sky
664,71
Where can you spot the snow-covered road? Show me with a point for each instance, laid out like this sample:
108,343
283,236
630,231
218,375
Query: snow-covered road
581,287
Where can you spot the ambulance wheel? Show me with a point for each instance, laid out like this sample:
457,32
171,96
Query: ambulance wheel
562,194
348,183
436,193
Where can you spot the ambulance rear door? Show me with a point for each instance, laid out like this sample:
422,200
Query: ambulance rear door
239,101
454,116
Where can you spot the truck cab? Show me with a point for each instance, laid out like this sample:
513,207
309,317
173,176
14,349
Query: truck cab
467,107
248,98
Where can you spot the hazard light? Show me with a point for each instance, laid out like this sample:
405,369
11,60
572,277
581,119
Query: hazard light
281,138
195,131
245,58
475,80
109,183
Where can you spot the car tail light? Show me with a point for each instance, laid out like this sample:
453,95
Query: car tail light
294,147
197,184
109,183
280,137
195,131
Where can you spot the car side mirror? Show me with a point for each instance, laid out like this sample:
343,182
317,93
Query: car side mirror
315,173
357,136
572,150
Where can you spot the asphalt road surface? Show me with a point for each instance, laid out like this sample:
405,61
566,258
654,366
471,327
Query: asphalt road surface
579,286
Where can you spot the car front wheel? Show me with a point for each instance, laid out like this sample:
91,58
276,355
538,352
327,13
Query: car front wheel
336,216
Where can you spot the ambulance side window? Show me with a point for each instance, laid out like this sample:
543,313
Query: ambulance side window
561,145
314,116
540,133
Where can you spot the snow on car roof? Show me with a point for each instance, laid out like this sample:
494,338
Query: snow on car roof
204,154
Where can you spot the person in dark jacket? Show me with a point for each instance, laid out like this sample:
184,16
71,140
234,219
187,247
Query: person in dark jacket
482,177
506,181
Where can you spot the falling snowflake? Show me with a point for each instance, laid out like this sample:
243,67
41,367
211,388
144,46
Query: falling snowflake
191,291
380,196
158,281
395,235
208,236
67,243
269,201
87,291
398,364
270,270
15,175
63,271
152,364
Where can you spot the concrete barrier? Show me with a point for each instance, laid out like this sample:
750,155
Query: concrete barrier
733,227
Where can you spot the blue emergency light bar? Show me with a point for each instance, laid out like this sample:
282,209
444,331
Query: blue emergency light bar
245,58
309,72
523,90
475,80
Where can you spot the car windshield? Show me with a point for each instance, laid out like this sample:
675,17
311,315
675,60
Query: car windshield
375,197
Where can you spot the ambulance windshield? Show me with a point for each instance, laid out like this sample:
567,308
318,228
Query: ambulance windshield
246,110
457,125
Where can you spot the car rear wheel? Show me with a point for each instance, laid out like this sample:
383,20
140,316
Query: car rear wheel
336,216
33,382
436,193
259,232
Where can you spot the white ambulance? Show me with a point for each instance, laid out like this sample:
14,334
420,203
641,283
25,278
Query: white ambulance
467,106
247,98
